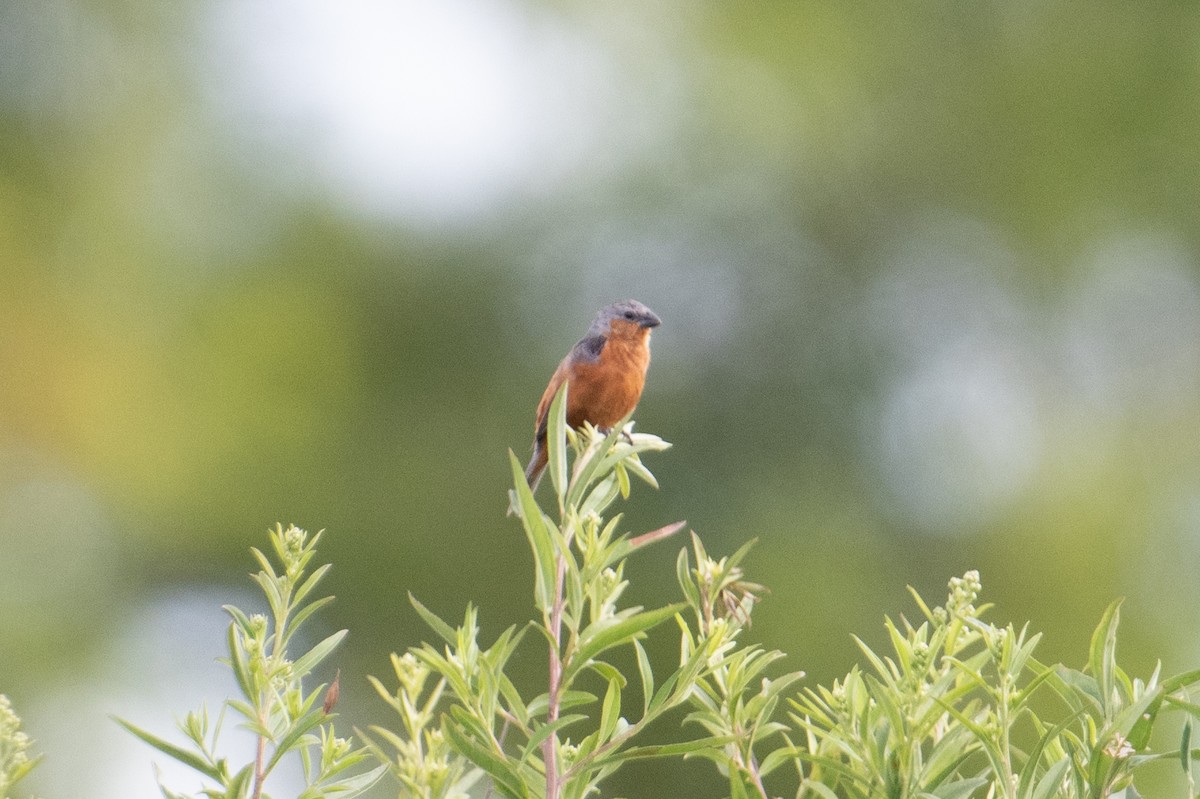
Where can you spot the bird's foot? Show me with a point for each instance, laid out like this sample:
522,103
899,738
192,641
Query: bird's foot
604,431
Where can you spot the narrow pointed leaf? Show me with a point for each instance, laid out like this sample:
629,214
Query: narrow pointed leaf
647,675
546,730
443,630
1051,782
305,612
1102,660
237,662
356,785
670,750
507,781
178,753
556,443
611,710
590,467
302,726
310,659
959,789
310,583
594,641
540,539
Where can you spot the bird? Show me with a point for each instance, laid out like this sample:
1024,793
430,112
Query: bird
605,372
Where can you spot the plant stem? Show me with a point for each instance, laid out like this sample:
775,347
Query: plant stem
752,769
550,746
260,761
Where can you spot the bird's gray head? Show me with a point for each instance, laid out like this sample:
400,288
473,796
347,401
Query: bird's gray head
626,311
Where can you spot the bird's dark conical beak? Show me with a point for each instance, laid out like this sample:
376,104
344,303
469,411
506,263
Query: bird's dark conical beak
650,319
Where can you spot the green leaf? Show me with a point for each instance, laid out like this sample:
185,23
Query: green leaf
567,699
1102,659
884,697
354,786
244,708
302,615
1139,733
647,674
239,786
309,660
237,662
602,635
300,727
670,750
169,794
634,464
824,790
1137,719
270,587
737,787
241,618
921,603
1190,707
1185,746
960,789
1050,783
589,466
982,735
608,671
1074,685
544,731
774,760
443,630
600,497
515,704
611,710
683,575
1180,680
556,443
264,562
18,773
622,480
178,753
1025,785
877,662
309,584
498,768
540,539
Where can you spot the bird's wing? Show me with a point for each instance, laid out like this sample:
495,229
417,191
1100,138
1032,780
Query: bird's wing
543,408
586,350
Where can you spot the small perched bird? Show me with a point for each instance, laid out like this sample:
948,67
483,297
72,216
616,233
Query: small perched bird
605,370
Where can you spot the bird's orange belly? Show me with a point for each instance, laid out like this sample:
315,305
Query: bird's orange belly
602,394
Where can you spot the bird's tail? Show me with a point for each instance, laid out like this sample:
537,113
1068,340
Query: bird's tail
537,465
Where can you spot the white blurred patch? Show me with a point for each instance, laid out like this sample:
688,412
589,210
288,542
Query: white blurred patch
981,388
1132,326
59,62
957,434
434,111
159,667
959,440
714,278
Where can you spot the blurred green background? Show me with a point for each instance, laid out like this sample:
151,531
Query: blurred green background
929,274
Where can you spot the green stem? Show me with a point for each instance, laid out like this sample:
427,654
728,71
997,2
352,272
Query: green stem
550,746
260,762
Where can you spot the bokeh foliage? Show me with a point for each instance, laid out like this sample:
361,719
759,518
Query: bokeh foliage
928,275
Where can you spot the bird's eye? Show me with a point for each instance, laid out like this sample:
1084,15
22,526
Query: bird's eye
629,314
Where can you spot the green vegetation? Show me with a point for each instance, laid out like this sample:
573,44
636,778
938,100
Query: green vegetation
15,759
286,721
958,709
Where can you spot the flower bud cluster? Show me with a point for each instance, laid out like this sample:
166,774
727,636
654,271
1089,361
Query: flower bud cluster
14,746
